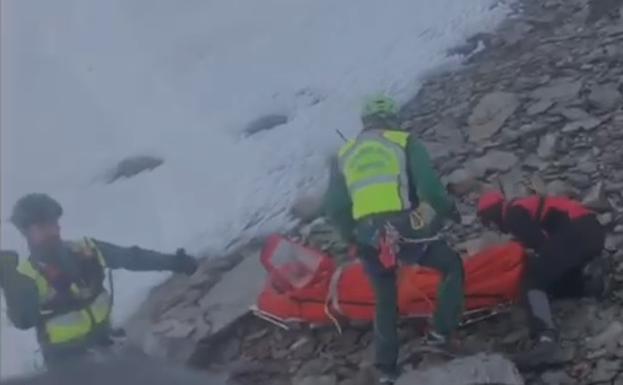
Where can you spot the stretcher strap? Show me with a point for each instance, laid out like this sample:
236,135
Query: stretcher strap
333,294
333,298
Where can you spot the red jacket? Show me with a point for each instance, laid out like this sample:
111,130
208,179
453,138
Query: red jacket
569,207
520,217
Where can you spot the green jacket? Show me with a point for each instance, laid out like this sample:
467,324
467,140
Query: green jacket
20,291
424,182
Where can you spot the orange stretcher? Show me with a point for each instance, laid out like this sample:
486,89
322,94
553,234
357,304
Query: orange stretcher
305,285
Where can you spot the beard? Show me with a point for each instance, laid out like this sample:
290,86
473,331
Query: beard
47,250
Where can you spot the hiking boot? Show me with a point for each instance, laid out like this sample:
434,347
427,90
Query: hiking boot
386,377
386,380
433,338
540,354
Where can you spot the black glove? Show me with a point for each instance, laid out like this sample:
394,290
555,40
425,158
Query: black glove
184,263
8,264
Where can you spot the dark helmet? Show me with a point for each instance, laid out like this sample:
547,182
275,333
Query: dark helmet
35,208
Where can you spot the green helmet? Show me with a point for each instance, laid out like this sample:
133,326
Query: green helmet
380,107
35,208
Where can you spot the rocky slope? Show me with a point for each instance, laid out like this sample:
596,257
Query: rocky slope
538,109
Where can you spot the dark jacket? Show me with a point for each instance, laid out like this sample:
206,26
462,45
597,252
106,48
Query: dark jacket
534,219
20,291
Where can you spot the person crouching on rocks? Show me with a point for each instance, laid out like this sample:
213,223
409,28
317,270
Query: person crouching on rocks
567,240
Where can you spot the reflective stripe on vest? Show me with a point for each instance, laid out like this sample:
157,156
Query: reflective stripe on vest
375,169
74,325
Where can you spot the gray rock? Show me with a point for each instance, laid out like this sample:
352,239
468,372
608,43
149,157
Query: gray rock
574,114
468,220
605,370
605,219
314,367
121,369
494,160
604,97
559,377
516,336
547,146
586,164
265,123
511,183
490,114
132,166
563,355
532,161
437,150
537,185
307,208
596,197
586,124
461,181
613,332
580,180
539,107
316,380
514,32
168,325
477,369
613,242
559,187
449,130
559,90
599,9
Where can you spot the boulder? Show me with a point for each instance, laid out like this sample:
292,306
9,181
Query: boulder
539,107
604,97
490,114
562,89
494,160
596,197
264,123
547,146
132,166
477,369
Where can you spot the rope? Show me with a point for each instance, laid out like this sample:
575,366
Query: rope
426,298
336,323
333,298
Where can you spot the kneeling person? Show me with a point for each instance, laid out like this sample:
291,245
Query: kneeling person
565,236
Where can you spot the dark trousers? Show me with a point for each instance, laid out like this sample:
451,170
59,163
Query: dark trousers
437,255
557,268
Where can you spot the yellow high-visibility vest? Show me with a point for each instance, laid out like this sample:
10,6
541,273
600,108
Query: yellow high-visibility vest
375,168
75,325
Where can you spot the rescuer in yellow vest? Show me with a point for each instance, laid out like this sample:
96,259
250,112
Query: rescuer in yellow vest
386,197
61,288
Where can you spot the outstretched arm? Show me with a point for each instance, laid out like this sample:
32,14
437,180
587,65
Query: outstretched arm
138,259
